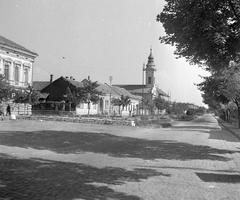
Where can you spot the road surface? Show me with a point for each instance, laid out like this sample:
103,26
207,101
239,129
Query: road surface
70,161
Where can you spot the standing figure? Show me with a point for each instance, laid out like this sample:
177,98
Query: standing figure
1,111
8,110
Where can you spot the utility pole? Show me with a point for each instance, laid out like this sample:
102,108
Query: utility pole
110,109
143,84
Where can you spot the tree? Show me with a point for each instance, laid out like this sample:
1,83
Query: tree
160,103
212,96
230,88
88,93
5,89
205,32
26,95
123,101
71,98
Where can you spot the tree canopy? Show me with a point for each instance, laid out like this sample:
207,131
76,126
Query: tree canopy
205,32
5,89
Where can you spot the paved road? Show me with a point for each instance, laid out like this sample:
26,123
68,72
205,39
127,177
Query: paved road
68,161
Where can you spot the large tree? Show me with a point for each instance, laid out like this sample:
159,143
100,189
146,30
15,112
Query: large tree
123,102
212,96
5,89
88,94
26,95
160,103
205,32
230,88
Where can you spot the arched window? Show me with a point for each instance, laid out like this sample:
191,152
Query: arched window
16,73
6,70
149,80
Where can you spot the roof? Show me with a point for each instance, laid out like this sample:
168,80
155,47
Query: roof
106,89
124,92
114,90
131,87
73,82
161,92
42,95
6,42
39,85
140,89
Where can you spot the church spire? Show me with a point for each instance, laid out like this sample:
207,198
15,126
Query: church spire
150,71
150,63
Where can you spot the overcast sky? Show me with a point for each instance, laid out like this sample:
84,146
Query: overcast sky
98,38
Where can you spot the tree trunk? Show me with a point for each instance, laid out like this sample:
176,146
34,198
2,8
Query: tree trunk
88,108
238,117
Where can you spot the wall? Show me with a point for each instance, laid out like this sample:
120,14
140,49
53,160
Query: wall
23,63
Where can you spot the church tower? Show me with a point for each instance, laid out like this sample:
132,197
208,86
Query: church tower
150,71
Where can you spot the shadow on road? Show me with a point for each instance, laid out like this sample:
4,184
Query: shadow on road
44,179
74,142
222,178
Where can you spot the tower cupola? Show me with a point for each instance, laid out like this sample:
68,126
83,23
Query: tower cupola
150,71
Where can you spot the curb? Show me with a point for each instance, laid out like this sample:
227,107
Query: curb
228,129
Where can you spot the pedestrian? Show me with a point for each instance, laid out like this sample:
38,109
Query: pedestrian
1,111
8,110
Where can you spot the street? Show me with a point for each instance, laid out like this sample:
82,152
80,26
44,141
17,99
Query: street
41,160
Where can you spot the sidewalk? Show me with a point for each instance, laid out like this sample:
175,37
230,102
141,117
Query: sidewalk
231,128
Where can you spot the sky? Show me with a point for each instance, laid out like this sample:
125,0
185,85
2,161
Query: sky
82,38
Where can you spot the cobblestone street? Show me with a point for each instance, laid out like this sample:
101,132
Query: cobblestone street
69,161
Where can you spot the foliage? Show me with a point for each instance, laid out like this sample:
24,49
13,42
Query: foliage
26,95
71,97
230,88
88,93
5,89
160,103
212,96
122,101
205,32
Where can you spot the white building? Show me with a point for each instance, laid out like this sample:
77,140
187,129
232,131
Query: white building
16,63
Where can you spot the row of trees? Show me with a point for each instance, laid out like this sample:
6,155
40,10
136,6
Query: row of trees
207,34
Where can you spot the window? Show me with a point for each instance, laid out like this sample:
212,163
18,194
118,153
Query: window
6,71
149,80
107,104
81,105
25,79
94,106
16,73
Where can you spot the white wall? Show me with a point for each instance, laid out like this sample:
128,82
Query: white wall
23,62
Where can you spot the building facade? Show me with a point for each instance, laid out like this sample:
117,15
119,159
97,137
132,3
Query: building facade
16,63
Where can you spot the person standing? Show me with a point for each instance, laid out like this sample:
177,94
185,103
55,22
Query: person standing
8,110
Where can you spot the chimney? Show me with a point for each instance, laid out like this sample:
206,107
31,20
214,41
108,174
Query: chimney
51,78
89,78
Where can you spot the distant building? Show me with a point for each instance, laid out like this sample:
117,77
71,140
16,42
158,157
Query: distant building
16,63
54,95
149,90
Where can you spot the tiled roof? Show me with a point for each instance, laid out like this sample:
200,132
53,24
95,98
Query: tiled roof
130,87
106,89
73,82
6,42
161,92
39,85
124,92
140,89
